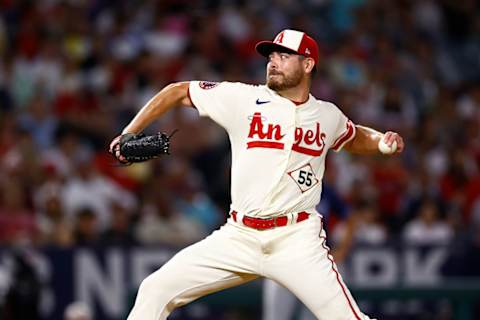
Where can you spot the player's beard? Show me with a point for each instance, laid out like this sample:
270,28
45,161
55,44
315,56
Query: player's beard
284,81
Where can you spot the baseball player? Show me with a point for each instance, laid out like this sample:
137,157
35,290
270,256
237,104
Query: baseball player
280,135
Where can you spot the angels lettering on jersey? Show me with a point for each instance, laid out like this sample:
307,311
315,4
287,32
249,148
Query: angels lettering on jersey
268,135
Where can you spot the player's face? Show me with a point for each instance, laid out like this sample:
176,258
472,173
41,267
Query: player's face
284,71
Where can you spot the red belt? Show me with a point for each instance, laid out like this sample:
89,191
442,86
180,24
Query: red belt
269,223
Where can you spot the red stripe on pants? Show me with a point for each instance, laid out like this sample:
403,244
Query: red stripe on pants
338,278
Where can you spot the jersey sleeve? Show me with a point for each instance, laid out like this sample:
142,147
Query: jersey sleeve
344,133
216,100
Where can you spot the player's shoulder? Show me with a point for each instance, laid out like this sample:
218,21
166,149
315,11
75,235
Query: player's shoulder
226,85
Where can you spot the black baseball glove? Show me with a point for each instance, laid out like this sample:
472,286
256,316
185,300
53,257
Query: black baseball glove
130,148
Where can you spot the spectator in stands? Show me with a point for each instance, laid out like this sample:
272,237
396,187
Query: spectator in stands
89,188
190,197
17,221
86,231
119,232
161,223
62,155
368,228
40,122
50,214
428,228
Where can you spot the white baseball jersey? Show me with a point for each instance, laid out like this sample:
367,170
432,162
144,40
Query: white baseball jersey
278,146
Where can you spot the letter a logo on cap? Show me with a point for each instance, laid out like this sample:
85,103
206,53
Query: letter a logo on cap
294,40
279,38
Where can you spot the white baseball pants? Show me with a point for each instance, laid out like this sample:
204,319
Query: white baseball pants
295,256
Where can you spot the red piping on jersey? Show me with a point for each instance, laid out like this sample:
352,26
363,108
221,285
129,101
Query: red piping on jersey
338,279
345,136
265,144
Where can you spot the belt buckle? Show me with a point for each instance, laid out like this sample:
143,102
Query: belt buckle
266,225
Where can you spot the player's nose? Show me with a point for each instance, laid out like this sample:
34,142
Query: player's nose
273,61
272,66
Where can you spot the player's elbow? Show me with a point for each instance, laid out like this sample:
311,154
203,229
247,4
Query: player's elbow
178,92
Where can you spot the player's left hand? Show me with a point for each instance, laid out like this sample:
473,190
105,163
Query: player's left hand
131,148
390,137
114,150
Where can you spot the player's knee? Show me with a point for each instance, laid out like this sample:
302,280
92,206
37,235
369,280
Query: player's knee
147,287
160,290
156,285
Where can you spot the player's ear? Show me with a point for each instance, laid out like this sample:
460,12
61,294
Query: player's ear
308,64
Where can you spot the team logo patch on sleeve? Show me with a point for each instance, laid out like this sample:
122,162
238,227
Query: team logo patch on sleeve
207,84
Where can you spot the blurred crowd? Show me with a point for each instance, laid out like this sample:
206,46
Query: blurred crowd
74,72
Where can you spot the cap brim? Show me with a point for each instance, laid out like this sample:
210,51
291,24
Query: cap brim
267,47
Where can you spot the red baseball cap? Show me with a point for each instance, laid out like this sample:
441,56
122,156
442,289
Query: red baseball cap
291,40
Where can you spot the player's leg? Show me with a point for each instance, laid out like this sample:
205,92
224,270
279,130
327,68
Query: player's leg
278,303
224,259
302,264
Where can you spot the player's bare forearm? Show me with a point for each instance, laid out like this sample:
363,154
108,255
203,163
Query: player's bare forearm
366,141
172,95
